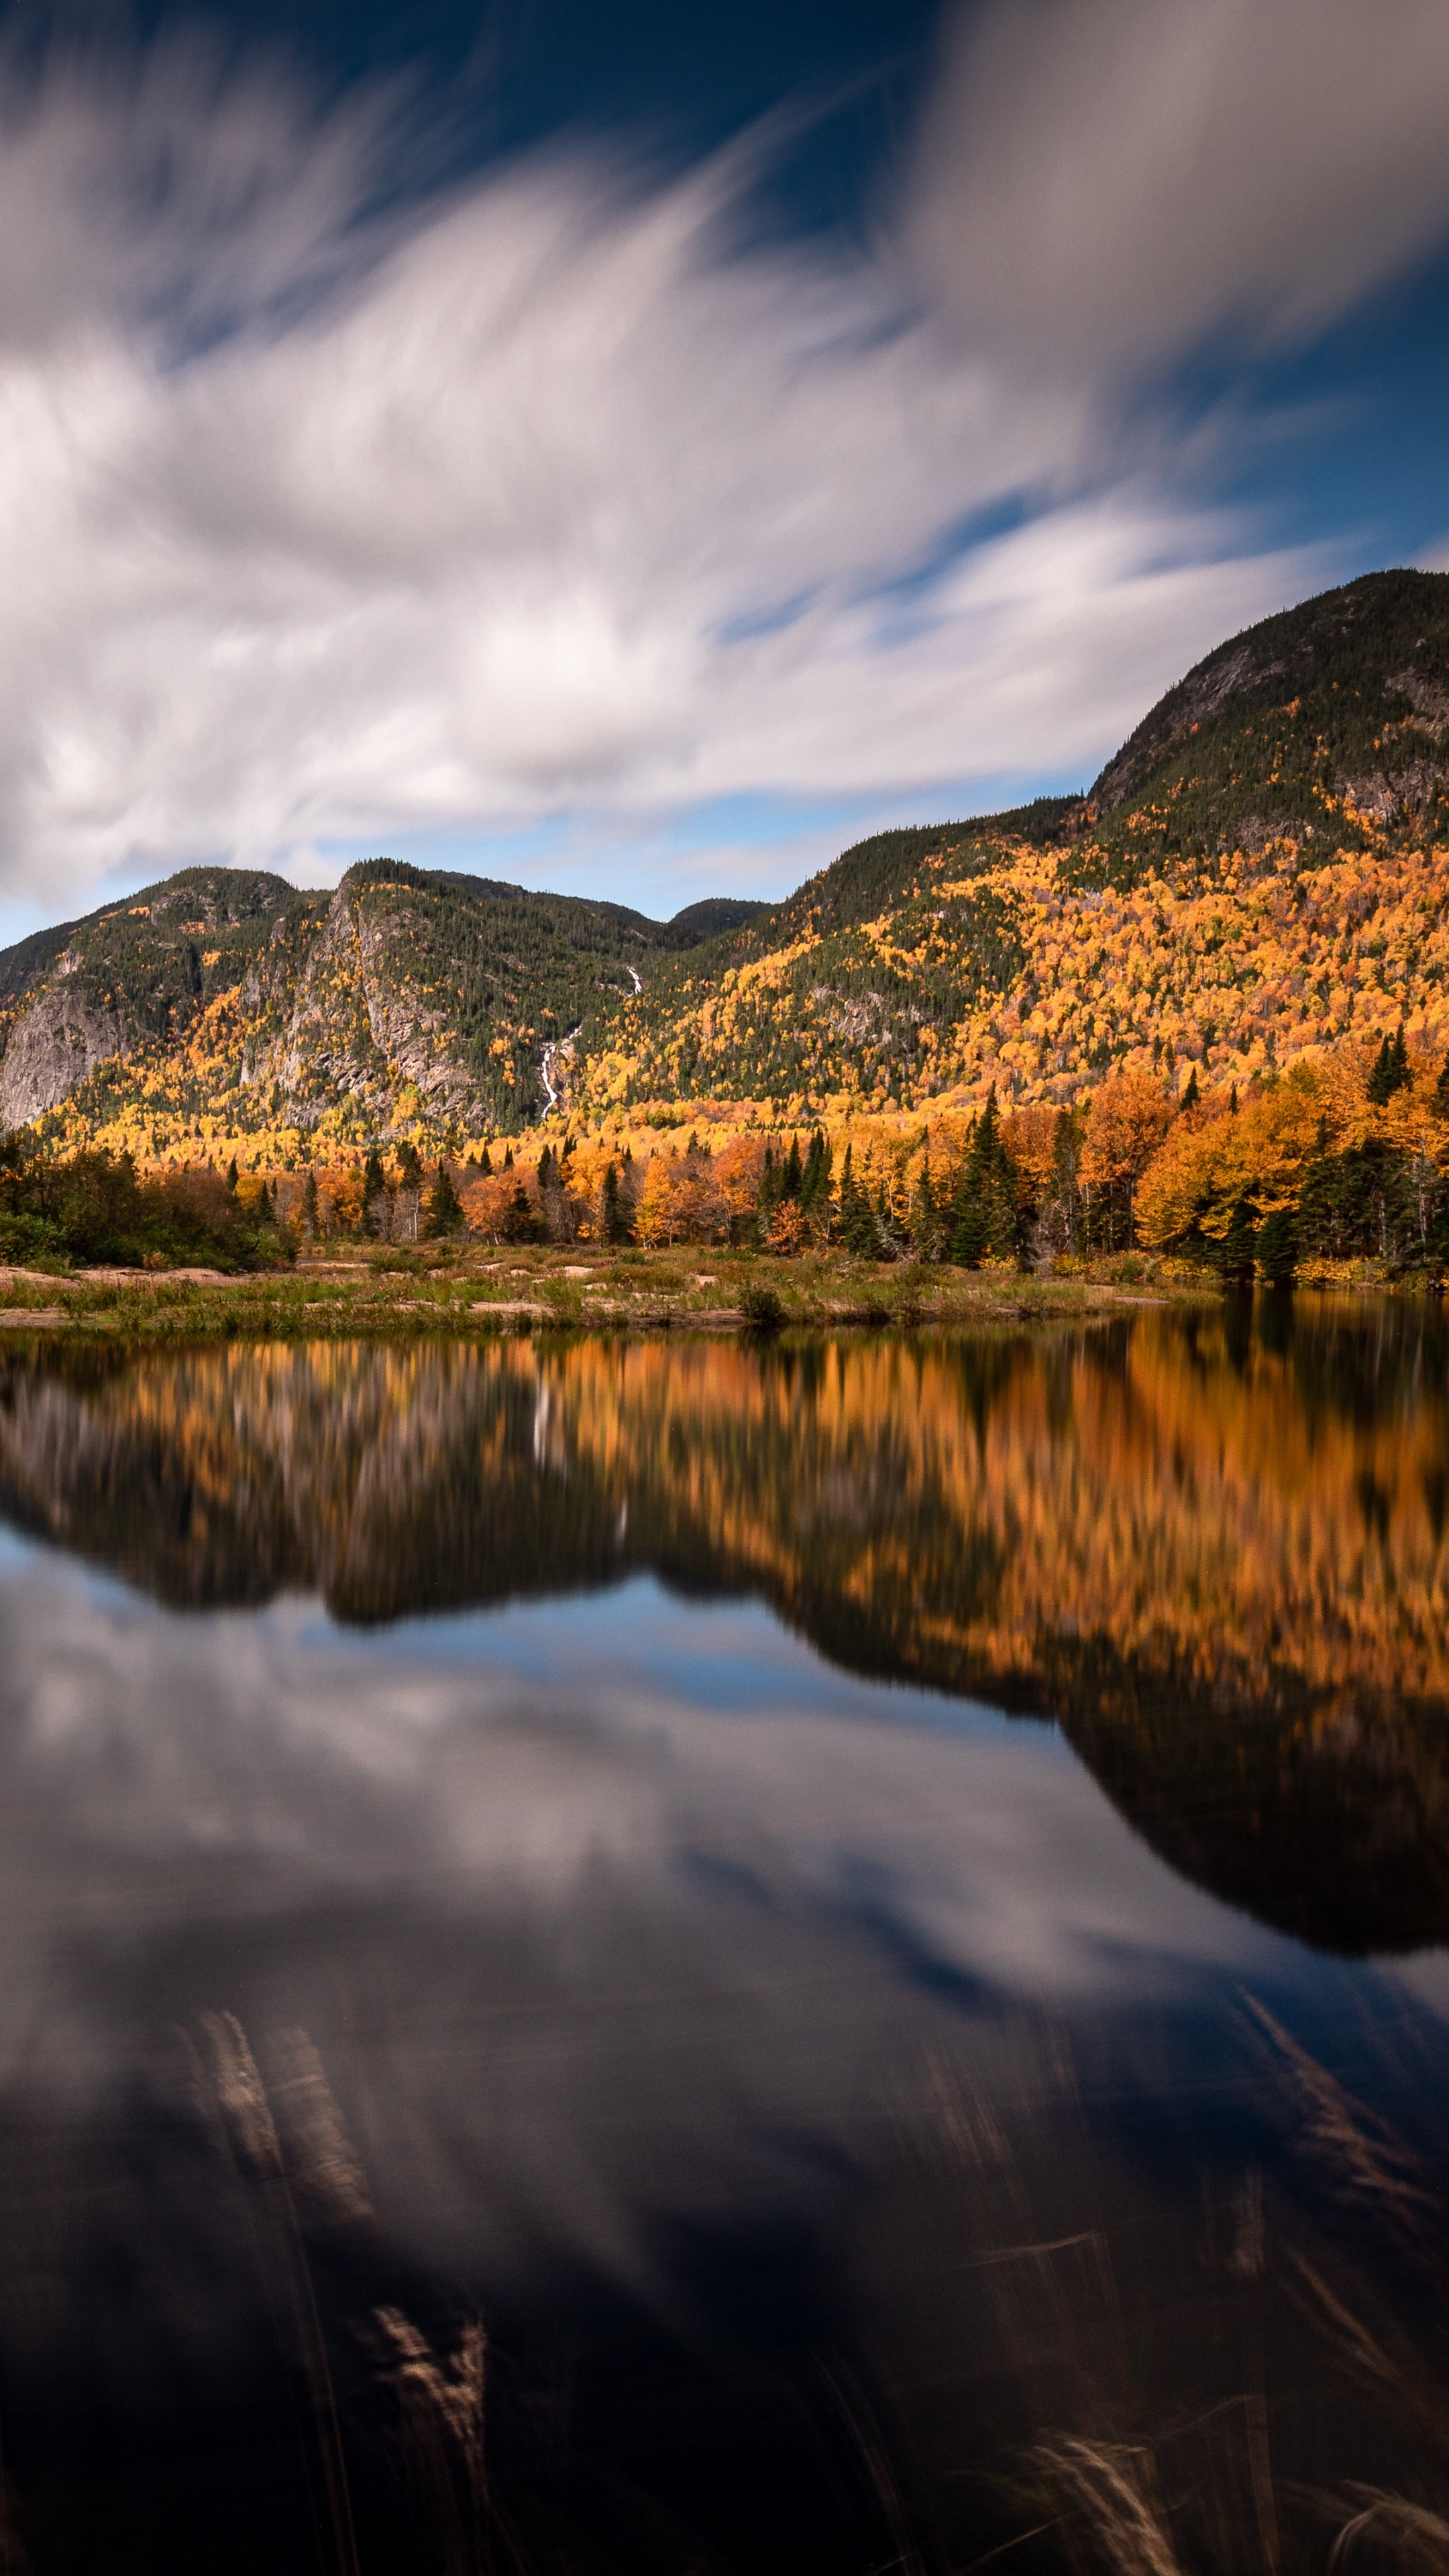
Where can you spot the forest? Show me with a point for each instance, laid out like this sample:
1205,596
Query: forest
1338,1166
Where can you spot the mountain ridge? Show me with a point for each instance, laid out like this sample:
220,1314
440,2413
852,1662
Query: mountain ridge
1258,871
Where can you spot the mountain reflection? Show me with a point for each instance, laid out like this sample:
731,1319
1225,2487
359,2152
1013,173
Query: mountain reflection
1211,1546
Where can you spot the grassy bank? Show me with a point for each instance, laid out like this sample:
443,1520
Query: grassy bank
472,1291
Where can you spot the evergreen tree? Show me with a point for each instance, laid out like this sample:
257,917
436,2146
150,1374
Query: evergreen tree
1441,1090
311,1213
521,1222
1278,1248
983,1213
374,1195
815,1178
616,1216
925,1221
266,1206
858,1229
508,1159
790,1183
1390,1069
410,1166
545,1167
232,1177
1191,1094
1238,1253
771,1192
445,1210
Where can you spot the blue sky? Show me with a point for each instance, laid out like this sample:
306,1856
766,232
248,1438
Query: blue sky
640,450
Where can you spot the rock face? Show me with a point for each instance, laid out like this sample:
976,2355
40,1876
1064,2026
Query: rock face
57,1040
355,1026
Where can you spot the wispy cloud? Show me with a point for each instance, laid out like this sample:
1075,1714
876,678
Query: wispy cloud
318,525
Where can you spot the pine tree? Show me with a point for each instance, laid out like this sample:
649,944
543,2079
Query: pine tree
616,1217
1391,1069
770,1194
410,1165
790,1184
445,1210
857,1225
815,1178
1277,1248
508,1159
925,1222
983,1213
232,1177
1191,1094
311,1213
1237,1257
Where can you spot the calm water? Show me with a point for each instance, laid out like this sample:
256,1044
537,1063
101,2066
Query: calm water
690,1959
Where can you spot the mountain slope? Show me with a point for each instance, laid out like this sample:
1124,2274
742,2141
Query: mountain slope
1253,875
227,998
1261,870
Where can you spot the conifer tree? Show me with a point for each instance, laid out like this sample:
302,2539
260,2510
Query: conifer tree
1441,1090
616,1217
485,1164
232,1177
311,1213
1391,1069
791,1178
770,1194
815,1178
1277,1248
858,1229
1191,1094
1238,1255
983,1215
925,1223
410,1165
445,1210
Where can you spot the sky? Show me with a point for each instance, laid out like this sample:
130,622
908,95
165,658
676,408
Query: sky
640,450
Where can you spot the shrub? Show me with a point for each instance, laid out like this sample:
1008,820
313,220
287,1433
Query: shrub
761,1308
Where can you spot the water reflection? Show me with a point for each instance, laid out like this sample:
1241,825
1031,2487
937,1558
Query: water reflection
584,2079
1213,1552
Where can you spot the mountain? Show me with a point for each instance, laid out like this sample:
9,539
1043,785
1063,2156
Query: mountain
1260,870
225,995
1254,875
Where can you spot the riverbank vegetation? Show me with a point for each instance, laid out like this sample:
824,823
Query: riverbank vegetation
1338,1169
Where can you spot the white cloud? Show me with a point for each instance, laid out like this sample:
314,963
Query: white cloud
1105,182
548,503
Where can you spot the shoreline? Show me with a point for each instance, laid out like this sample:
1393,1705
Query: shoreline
467,1298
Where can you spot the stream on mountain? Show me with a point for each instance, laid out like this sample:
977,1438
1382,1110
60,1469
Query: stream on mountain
684,1956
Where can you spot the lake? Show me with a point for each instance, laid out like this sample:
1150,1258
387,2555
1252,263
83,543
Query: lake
683,1956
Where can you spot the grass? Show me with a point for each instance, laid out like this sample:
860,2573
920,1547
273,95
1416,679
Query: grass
351,1290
